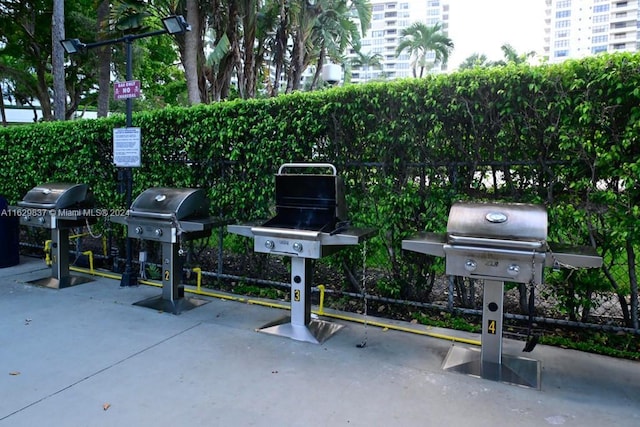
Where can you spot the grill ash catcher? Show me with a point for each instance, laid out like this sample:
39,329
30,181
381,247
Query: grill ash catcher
59,207
310,223
498,242
170,216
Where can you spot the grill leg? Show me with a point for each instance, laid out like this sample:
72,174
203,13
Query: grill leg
301,278
172,299
490,363
60,257
171,275
300,326
492,310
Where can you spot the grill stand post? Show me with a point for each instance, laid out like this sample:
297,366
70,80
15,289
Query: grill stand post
489,362
60,276
172,299
300,326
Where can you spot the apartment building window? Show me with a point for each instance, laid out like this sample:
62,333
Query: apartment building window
391,5
622,4
561,53
404,6
599,39
391,23
378,7
563,4
565,23
621,15
561,43
600,18
619,36
432,21
390,14
433,3
377,17
619,25
377,33
598,49
601,8
562,34
392,31
619,46
403,23
563,14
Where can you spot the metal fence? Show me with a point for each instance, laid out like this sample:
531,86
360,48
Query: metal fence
398,283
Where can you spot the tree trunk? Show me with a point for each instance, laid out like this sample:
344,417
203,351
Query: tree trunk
191,48
57,60
104,62
3,113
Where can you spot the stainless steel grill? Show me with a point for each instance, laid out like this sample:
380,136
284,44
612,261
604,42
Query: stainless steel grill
58,207
170,216
497,243
310,223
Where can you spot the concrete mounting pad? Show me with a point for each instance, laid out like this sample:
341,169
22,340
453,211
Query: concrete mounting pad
86,356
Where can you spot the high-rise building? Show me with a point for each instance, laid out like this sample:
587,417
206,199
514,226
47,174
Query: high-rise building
579,28
389,18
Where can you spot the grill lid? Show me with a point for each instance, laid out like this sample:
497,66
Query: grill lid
56,195
510,224
170,203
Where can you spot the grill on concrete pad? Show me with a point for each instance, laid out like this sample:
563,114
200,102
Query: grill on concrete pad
310,223
59,207
170,216
497,243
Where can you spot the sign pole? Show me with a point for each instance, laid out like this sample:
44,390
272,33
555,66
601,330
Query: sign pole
129,278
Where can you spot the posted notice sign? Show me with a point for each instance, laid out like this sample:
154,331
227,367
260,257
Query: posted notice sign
126,147
128,89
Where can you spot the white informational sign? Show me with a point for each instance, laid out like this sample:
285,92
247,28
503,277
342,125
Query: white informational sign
126,147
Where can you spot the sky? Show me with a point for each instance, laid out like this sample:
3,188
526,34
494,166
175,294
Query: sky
482,26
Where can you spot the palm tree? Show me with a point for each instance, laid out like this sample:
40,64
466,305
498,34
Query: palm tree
512,57
335,31
475,60
366,61
419,40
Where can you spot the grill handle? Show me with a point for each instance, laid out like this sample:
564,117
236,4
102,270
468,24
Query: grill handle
481,241
144,214
307,165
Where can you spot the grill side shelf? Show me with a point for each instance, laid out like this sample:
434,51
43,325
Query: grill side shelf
426,243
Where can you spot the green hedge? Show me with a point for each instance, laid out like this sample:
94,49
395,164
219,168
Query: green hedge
562,135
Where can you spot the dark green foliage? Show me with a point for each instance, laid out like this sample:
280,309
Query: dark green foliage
563,135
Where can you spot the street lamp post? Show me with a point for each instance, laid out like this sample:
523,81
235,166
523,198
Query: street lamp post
175,24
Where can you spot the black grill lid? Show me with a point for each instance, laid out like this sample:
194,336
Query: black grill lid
171,203
56,195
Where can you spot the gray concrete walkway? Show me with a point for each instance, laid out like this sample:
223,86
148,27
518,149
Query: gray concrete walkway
66,355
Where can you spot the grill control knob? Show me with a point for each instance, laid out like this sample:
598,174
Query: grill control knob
513,270
158,232
297,246
470,265
138,230
269,244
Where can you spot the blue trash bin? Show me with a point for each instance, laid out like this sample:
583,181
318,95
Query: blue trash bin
9,236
